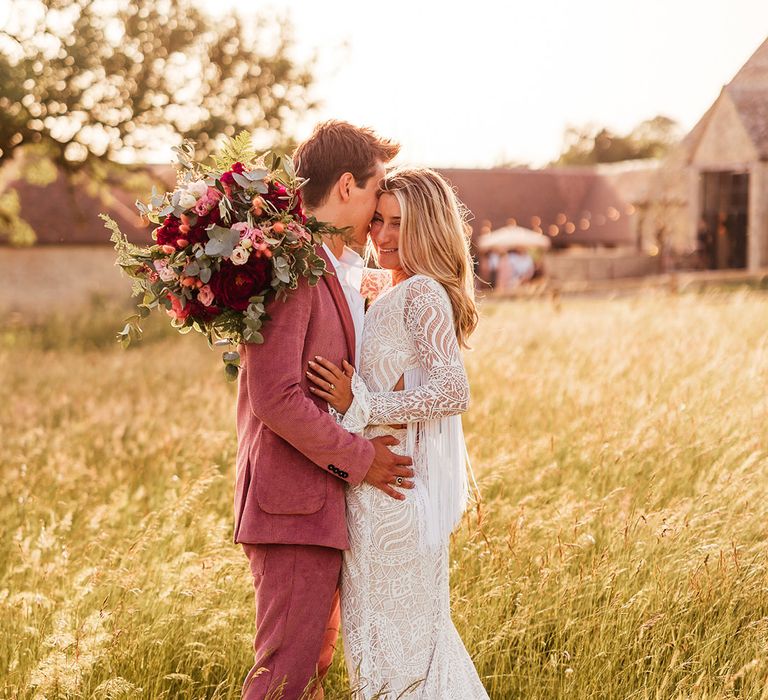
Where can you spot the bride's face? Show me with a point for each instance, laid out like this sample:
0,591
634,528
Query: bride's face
385,232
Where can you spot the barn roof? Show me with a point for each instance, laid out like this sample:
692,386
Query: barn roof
748,91
573,205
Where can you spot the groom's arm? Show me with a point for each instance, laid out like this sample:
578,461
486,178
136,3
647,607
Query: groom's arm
273,372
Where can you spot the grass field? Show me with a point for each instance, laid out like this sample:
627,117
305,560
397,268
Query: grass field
621,448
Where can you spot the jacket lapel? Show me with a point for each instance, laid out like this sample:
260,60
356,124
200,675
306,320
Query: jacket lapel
340,300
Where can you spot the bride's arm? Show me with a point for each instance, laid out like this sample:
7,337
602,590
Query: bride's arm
429,321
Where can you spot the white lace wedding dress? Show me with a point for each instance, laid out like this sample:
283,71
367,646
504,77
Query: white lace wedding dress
399,639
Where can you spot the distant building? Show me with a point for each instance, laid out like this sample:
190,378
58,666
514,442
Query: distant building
573,206
705,206
725,161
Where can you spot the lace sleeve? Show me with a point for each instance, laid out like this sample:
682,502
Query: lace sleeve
429,320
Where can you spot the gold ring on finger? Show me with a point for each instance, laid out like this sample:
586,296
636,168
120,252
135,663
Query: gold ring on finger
332,387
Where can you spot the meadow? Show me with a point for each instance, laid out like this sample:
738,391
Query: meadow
618,549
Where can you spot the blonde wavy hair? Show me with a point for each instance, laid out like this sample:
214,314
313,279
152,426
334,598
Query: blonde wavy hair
434,239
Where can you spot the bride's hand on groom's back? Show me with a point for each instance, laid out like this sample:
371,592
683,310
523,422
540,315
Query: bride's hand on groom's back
388,467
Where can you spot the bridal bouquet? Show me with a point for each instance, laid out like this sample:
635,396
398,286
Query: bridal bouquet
229,236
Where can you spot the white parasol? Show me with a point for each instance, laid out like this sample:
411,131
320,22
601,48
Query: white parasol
511,237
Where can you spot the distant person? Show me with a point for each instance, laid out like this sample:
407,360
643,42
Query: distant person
520,267
492,263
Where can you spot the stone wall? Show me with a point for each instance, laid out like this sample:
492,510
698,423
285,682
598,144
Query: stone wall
41,279
599,265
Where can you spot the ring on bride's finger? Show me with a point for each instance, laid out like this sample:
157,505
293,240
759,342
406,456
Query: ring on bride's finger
332,387
399,481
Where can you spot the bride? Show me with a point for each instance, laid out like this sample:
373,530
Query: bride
399,639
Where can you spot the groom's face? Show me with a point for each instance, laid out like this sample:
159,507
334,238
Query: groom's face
362,204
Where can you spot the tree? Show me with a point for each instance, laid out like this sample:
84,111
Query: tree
100,80
591,144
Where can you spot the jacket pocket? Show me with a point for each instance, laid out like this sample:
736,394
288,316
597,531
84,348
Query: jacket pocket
287,483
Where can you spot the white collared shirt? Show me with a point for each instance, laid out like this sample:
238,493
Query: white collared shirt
349,271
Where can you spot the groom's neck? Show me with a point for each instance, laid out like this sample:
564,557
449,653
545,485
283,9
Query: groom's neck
334,242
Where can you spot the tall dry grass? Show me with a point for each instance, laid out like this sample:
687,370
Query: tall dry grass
621,448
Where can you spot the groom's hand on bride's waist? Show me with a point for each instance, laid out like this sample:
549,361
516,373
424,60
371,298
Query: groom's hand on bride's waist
389,469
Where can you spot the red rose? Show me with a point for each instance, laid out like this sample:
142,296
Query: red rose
298,209
233,285
198,233
278,196
168,233
192,308
227,179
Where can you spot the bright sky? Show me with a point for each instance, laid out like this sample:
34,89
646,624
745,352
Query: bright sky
472,84
483,82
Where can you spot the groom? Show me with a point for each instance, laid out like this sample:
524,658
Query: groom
293,460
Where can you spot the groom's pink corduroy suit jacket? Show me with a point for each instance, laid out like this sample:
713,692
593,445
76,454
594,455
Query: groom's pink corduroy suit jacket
293,459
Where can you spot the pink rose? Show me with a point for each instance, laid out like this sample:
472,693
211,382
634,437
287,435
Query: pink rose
205,295
166,273
207,202
255,234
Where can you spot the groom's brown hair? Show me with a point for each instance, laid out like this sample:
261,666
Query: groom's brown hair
335,148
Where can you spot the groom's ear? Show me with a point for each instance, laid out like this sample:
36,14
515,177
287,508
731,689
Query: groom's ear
344,186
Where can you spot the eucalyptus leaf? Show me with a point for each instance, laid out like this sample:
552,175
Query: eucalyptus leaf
124,336
241,180
290,171
205,275
193,269
257,174
231,372
253,336
222,241
282,270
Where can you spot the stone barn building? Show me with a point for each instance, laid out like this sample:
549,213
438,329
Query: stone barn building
715,186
